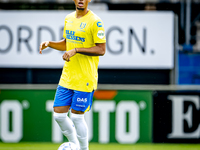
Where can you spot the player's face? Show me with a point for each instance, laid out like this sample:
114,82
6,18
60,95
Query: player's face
81,4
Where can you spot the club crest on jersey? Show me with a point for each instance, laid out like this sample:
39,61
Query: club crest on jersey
82,26
99,24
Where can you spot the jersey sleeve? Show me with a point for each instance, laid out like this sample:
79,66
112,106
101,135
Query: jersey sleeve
99,32
64,30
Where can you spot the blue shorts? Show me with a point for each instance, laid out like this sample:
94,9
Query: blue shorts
79,101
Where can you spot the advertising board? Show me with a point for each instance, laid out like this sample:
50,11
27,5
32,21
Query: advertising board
142,40
116,116
176,117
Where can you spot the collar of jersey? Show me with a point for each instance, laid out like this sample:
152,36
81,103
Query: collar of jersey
83,16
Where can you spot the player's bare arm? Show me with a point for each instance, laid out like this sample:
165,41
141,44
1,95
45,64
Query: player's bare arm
60,45
98,50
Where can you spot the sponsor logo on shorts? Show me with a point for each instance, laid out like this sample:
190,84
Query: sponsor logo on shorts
82,100
80,105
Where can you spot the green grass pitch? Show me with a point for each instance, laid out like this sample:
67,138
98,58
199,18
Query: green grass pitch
96,146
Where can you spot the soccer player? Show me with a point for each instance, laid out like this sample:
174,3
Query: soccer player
84,42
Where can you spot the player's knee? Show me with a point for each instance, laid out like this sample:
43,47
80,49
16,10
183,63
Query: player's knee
59,117
77,117
80,124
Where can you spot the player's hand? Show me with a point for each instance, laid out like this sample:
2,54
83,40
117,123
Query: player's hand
44,45
68,54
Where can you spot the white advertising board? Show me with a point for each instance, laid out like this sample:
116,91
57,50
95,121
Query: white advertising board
135,39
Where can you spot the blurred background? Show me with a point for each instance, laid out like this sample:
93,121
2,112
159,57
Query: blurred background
149,79
187,46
